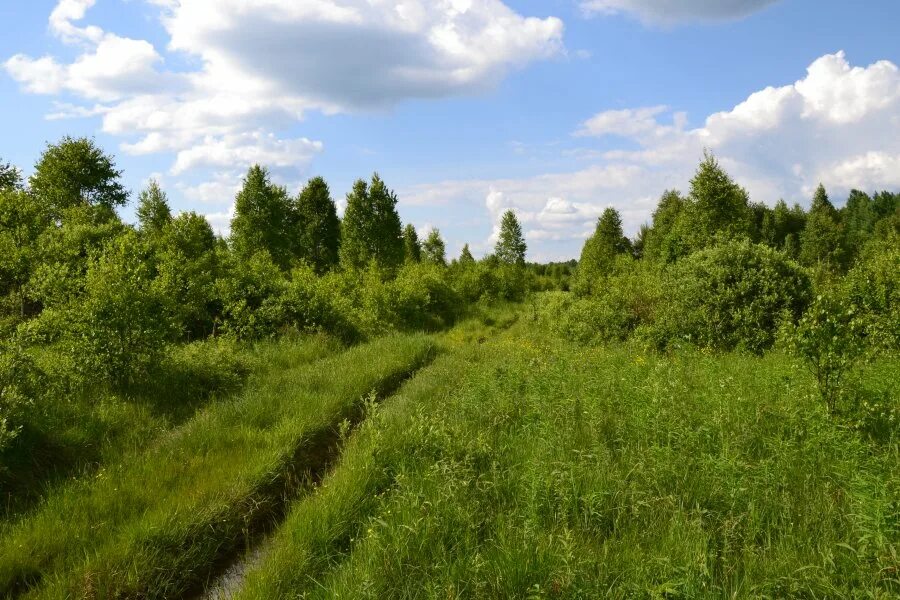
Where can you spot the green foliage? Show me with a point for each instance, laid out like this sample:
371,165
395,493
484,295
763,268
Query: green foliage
371,229
821,242
465,256
250,294
21,387
66,249
317,227
412,250
873,292
434,251
118,331
22,220
511,246
830,339
187,267
153,211
261,222
718,207
600,252
76,172
10,177
627,301
663,241
730,296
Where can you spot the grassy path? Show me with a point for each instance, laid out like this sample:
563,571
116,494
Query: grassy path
527,467
154,524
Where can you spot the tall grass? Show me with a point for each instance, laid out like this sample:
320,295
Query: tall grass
320,529
72,434
153,525
557,471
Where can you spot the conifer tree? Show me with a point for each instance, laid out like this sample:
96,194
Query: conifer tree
412,251
317,229
388,246
465,257
511,246
718,206
821,239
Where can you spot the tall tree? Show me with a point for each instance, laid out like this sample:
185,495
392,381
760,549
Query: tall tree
434,251
718,206
600,251
859,222
356,227
821,239
412,250
76,172
663,242
261,213
465,257
511,246
317,228
10,177
388,240
153,211
371,229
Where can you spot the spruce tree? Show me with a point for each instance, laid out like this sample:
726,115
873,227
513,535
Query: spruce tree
465,257
371,229
821,239
316,227
511,246
719,208
412,251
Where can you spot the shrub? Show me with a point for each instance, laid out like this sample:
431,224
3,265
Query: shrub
730,296
829,337
873,290
250,293
21,384
423,297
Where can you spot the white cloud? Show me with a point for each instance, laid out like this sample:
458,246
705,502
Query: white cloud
673,11
245,150
261,65
839,125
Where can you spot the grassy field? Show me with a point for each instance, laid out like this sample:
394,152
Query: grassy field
493,460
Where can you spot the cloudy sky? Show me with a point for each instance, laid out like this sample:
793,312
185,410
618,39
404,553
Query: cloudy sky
555,108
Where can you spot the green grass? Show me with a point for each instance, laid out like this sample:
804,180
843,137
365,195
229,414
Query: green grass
322,527
550,470
154,524
72,437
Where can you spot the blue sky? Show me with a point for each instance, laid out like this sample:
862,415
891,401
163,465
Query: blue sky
555,109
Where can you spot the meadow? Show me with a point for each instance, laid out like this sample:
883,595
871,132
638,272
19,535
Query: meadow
325,408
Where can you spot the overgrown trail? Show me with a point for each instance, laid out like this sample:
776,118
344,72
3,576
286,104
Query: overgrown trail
343,451
154,525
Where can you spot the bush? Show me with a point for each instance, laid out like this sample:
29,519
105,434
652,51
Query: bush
731,296
21,384
423,297
830,339
873,291
250,293
627,300
315,304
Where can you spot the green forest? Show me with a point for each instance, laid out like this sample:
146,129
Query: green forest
325,406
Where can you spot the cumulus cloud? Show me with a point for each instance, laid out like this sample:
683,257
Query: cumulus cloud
674,11
839,125
262,65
